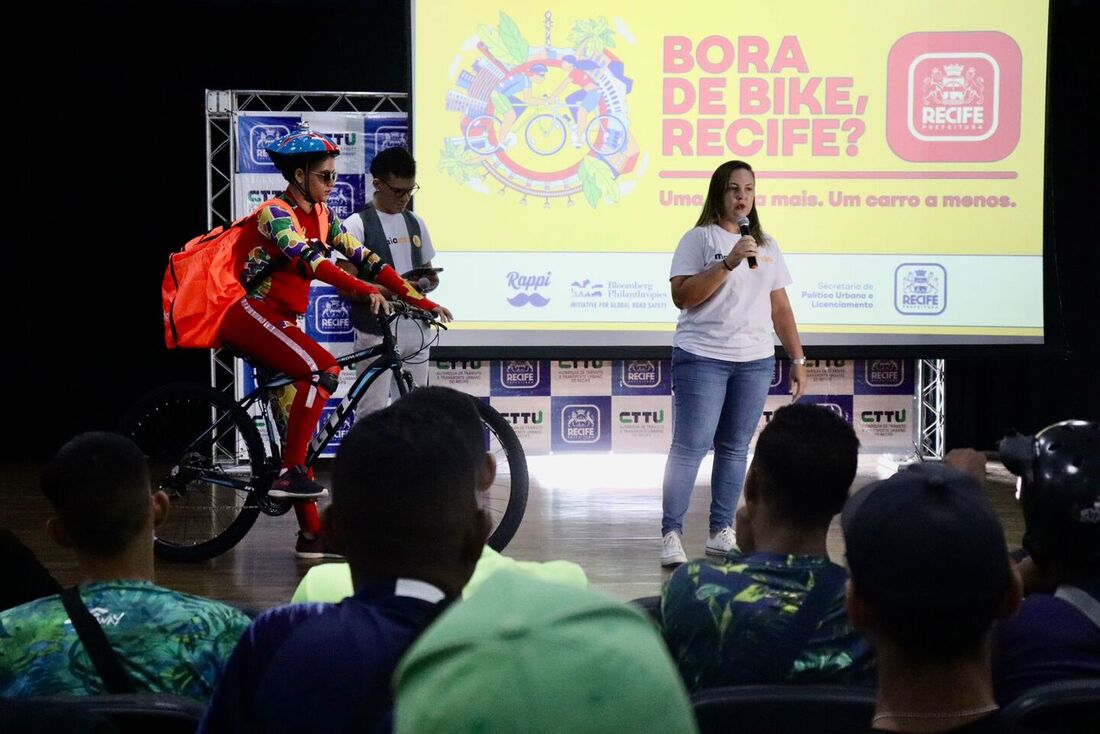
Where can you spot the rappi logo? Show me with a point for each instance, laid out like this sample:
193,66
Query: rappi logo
528,289
580,423
953,96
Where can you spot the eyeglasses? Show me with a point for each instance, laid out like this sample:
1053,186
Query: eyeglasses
327,176
400,193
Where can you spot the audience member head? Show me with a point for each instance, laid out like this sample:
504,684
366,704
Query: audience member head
804,465
98,484
533,656
930,571
405,485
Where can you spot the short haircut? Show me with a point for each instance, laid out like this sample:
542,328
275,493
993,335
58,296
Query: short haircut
98,484
405,480
927,554
805,461
396,162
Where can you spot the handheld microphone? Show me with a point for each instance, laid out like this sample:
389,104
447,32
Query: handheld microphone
423,285
743,223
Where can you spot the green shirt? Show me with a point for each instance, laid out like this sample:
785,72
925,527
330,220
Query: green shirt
168,642
721,619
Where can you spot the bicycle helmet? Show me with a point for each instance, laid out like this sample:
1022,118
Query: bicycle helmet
301,142
1059,489
298,150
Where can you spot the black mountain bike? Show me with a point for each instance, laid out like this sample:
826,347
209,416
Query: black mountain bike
207,454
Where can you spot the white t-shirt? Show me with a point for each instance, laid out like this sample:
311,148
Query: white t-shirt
400,243
735,323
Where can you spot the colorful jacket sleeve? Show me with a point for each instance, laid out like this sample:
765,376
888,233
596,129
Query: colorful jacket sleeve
277,225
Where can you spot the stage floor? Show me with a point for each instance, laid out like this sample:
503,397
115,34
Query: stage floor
601,511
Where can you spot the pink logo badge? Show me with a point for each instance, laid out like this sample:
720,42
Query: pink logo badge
953,96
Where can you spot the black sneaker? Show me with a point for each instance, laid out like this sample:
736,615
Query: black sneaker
296,485
313,548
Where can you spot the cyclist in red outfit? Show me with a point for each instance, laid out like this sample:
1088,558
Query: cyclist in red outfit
298,231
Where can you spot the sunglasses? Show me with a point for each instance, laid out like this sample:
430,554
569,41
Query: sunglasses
400,193
327,176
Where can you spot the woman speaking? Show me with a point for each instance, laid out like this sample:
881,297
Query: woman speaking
728,279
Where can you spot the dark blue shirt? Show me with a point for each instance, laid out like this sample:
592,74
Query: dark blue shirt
1047,640
321,667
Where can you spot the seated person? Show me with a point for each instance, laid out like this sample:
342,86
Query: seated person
930,574
166,642
1055,635
331,582
524,655
772,610
411,540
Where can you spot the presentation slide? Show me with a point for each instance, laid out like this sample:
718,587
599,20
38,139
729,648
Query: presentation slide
564,148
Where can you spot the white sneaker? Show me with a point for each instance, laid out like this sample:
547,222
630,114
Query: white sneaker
672,550
721,542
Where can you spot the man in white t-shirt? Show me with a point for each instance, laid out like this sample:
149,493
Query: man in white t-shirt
400,237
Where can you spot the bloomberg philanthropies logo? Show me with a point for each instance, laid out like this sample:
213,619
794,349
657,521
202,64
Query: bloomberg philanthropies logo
954,96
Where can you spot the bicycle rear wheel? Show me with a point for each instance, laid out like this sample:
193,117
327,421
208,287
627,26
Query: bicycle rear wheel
506,499
204,451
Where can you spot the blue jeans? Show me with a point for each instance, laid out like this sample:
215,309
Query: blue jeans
716,403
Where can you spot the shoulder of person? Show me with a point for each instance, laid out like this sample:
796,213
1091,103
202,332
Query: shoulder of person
696,235
273,627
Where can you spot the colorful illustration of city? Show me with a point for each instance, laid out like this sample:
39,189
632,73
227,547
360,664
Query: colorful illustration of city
546,122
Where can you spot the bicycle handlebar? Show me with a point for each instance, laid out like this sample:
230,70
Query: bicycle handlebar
405,310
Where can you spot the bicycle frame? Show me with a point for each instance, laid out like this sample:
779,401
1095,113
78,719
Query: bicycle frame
389,358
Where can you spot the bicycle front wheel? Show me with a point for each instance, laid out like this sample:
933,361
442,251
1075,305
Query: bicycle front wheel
204,451
506,499
545,134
